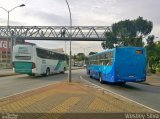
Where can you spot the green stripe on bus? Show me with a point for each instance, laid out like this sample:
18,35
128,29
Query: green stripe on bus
58,65
23,67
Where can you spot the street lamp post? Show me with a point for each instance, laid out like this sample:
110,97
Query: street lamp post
70,52
8,12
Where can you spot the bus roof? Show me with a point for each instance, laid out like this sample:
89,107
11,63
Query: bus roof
109,50
40,48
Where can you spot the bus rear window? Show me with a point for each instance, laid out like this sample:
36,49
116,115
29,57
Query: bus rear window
139,51
23,57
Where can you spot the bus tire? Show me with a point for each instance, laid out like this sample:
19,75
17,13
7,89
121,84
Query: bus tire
31,74
90,74
47,72
100,78
64,69
121,83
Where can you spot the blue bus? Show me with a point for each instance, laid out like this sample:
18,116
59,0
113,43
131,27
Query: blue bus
118,65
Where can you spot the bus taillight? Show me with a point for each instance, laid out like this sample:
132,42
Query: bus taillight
33,65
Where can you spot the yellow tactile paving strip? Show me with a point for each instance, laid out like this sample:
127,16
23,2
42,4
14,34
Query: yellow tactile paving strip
66,98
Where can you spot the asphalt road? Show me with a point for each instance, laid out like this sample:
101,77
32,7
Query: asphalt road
20,83
12,85
144,94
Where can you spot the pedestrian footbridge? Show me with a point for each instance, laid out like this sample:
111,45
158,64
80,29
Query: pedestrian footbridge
78,33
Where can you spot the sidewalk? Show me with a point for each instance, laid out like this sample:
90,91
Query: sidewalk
153,79
76,97
6,72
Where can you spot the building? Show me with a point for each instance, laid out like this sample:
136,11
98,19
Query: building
5,52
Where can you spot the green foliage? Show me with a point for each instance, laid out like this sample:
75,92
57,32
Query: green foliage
150,40
110,41
92,53
79,57
127,33
153,57
153,71
143,27
157,69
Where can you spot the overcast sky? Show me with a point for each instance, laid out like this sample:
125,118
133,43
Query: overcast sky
84,13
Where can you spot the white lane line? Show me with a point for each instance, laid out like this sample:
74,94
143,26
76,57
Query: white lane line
28,90
121,96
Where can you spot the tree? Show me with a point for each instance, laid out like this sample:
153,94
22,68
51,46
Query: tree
150,40
110,41
74,57
127,33
143,27
153,57
80,56
92,53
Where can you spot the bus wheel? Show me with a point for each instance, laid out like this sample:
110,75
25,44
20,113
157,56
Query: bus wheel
121,83
100,78
31,74
89,73
64,69
47,72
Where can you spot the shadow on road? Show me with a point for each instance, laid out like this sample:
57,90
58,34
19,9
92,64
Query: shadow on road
118,86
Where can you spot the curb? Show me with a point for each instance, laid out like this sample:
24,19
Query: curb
5,75
150,84
78,68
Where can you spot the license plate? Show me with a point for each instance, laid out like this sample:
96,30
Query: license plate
131,76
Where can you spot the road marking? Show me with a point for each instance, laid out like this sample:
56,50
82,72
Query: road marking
119,95
66,105
28,90
100,105
62,108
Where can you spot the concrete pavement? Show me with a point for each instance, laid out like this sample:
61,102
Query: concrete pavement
76,97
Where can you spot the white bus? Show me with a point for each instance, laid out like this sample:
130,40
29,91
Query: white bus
33,60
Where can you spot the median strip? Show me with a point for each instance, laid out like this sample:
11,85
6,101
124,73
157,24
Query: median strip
70,98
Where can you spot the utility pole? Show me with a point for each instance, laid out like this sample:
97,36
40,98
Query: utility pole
70,52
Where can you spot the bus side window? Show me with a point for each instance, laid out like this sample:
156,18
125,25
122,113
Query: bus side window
56,56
